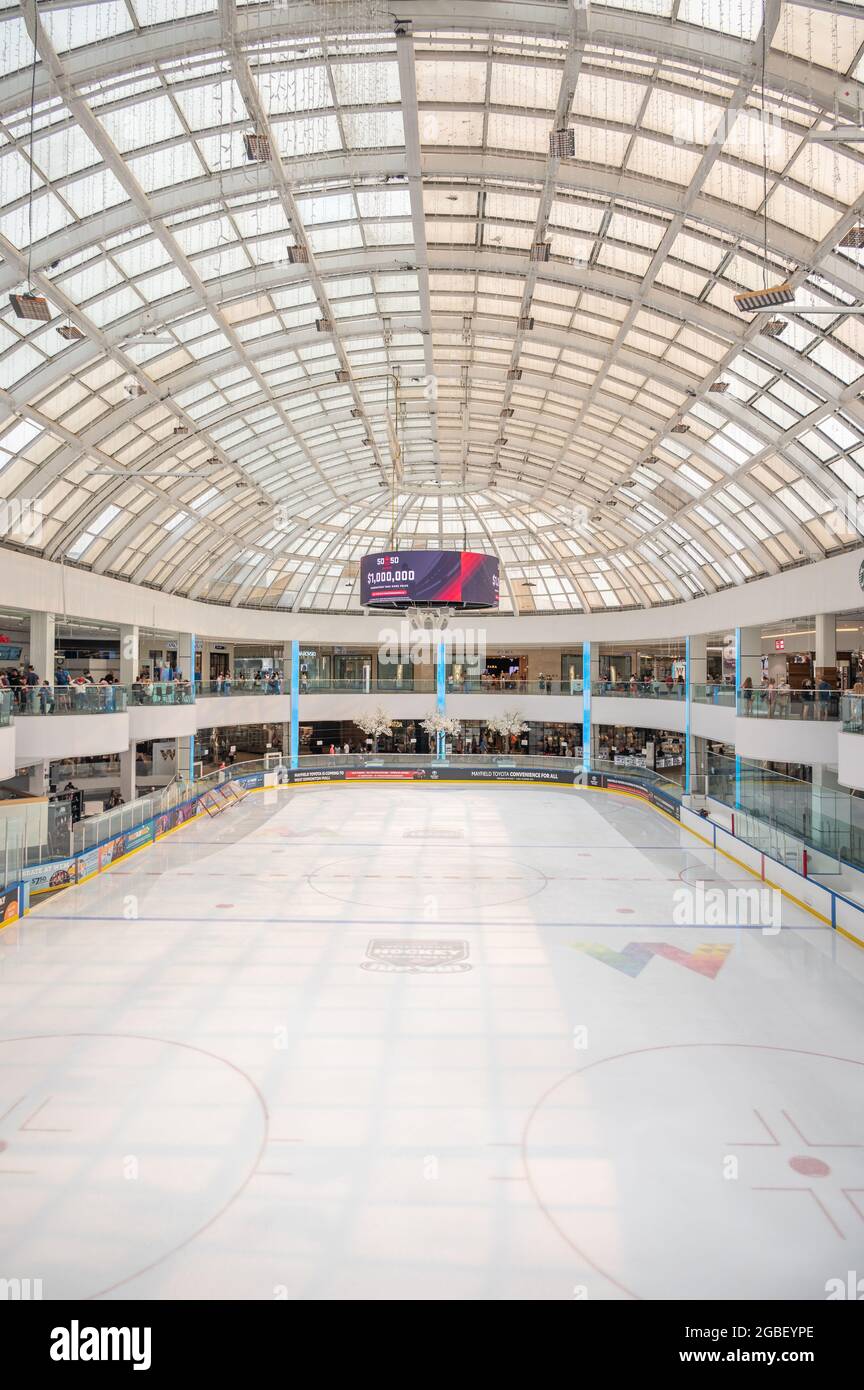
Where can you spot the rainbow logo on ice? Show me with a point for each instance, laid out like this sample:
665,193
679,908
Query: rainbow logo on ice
707,960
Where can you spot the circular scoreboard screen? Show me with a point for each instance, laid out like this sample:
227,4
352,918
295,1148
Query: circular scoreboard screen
429,578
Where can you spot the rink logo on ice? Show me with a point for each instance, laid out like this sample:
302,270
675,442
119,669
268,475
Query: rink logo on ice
851,1288
77,1343
416,957
697,906
707,960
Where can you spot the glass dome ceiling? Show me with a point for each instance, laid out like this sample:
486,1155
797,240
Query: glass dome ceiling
312,282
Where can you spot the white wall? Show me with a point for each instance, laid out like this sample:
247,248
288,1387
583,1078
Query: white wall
636,713
32,584
551,709
850,760
786,740
39,737
7,752
213,713
161,721
713,721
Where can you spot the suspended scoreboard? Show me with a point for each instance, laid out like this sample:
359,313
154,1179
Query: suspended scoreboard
429,579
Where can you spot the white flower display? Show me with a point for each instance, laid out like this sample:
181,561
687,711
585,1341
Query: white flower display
374,723
438,723
507,725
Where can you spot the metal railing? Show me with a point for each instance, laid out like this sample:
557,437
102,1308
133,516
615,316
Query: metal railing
508,685
713,693
244,686
640,690
161,693
68,699
373,760
852,714
389,685
770,702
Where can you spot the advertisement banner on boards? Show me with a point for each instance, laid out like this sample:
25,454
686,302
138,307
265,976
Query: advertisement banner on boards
593,779
515,774
58,873
88,864
115,849
316,774
666,803
9,910
616,784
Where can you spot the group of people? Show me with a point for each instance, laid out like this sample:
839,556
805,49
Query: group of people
262,683
164,690
817,699
34,694
644,685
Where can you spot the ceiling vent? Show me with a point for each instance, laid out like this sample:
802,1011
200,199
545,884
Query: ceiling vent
298,255
540,251
526,323
70,332
324,325
514,373
773,328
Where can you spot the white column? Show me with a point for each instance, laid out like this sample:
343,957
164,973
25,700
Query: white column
129,653
37,779
186,667
826,641
128,788
697,673
749,656
42,645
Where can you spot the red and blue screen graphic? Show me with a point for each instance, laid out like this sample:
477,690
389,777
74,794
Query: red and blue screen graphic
401,579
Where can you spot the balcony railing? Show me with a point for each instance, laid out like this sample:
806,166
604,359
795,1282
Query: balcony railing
709,693
640,690
243,686
493,685
5,707
151,693
852,714
324,685
768,702
68,699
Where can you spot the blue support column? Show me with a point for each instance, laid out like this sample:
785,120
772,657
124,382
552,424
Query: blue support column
441,693
688,697
295,703
738,680
586,706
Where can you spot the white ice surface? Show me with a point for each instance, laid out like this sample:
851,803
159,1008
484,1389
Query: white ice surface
206,1091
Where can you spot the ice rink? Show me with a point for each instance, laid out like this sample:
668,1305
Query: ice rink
429,1042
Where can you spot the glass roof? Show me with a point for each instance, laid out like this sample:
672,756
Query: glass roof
314,284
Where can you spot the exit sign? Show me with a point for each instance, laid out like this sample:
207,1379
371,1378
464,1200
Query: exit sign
779,644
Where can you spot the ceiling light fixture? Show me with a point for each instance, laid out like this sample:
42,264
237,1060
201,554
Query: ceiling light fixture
31,306
768,298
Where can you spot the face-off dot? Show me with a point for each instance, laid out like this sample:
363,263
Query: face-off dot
809,1167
